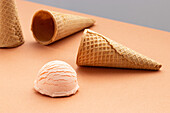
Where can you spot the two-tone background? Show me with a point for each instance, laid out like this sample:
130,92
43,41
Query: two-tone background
149,13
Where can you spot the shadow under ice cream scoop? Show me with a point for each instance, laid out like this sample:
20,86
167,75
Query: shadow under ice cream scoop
56,79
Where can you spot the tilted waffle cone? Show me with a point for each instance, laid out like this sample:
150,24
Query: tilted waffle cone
97,50
49,26
10,29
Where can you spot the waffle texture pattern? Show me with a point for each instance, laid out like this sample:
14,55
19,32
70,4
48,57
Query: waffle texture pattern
68,24
65,24
10,28
98,50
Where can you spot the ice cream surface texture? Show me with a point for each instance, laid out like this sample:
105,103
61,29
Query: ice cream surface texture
56,79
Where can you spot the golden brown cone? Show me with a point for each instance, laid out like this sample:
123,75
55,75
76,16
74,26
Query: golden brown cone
10,29
49,26
98,50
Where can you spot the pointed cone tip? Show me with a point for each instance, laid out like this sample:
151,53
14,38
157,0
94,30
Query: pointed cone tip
156,65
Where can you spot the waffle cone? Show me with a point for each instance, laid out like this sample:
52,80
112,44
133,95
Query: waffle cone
98,50
10,29
49,26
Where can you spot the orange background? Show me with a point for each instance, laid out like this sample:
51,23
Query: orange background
102,90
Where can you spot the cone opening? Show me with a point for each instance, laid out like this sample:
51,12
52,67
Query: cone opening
43,26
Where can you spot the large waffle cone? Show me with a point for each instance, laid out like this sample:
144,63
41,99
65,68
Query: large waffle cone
49,26
97,50
10,29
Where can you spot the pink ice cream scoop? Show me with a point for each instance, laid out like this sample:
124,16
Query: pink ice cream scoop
56,79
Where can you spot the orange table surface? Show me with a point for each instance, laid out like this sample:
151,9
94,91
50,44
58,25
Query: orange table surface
102,90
